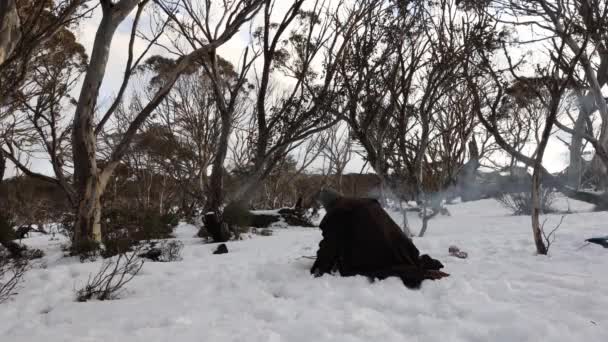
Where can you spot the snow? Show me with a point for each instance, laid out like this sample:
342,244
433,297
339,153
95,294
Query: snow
267,212
262,290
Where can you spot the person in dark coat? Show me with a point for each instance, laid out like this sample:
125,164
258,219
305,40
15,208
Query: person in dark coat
359,238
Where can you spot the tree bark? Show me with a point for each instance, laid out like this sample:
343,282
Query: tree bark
217,170
575,168
536,227
9,28
216,227
86,173
2,167
227,111
466,177
88,219
406,225
541,248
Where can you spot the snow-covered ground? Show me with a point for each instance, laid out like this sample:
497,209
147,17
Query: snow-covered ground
262,290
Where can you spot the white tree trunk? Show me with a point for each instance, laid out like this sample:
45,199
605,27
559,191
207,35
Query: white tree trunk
84,143
406,225
88,219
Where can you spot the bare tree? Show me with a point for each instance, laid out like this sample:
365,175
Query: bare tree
34,36
493,99
190,112
580,24
337,150
230,88
35,120
25,27
400,71
540,97
293,46
9,29
560,80
91,180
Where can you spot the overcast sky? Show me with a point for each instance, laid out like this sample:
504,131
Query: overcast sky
555,158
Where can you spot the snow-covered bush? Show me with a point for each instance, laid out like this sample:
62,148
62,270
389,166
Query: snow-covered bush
171,250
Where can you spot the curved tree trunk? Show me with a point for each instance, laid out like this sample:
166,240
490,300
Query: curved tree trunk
84,142
9,28
541,248
84,145
216,186
2,167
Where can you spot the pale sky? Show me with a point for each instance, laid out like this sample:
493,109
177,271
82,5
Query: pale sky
556,154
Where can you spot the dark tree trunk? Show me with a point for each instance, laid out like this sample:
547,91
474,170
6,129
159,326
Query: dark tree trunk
541,248
216,228
2,167
216,185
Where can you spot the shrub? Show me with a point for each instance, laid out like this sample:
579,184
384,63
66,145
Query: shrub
154,227
171,250
11,248
7,233
127,225
86,250
520,203
203,232
32,254
66,226
237,214
167,251
170,219
113,275
266,232
216,228
14,249
11,274
116,246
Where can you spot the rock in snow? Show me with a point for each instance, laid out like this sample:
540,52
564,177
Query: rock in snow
221,249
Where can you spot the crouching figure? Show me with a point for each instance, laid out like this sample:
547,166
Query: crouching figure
359,238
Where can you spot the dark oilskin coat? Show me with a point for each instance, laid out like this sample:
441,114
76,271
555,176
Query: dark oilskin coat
359,238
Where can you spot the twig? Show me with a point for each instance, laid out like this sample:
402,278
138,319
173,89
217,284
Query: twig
550,238
585,245
13,271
